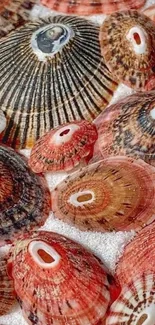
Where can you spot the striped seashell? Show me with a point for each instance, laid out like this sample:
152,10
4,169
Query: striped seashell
89,7
128,46
63,148
57,76
57,281
24,196
117,193
150,12
136,303
127,128
2,121
7,294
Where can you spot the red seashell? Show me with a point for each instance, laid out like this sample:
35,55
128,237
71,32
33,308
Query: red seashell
64,147
127,41
57,281
7,294
117,193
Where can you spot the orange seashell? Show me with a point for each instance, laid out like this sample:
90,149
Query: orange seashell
57,281
127,128
128,46
89,7
64,147
7,295
150,12
117,193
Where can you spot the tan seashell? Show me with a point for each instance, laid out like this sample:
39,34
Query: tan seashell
7,294
2,121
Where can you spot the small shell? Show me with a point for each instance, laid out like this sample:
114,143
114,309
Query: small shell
57,76
24,196
128,46
64,147
150,12
7,295
128,128
113,194
136,303
2,121
57,281
89,7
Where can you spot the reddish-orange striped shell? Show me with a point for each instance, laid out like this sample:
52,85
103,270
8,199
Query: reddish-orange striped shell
57,281
7,294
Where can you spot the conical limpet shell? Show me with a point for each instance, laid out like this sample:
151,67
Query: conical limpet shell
2,121
57,75
64,147
24,196
117,193
128,128
57,281
7,294
128,46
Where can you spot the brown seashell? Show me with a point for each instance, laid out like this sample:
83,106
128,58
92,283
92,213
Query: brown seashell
24,196
56,76
128,46
7,294
117,193
57,281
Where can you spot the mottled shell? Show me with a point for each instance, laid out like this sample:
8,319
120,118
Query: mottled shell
57,281
2,121
89,7
117,193
150,12
128,46
136,303
128,128
63,148
55,74
24,196
7,294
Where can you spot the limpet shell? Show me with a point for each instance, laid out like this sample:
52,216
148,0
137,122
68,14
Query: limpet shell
2,121
7,294
127,41
117,193
57,281
24,196
55,74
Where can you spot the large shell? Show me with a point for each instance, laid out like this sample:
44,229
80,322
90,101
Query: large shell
128,45
57,281
2,121
7,294
54,75
24,196
89,7
128,128
113,194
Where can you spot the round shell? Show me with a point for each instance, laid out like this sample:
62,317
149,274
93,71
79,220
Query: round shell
2,121
24,196
128,128
57,281
113,194
64,147
89,7
128,45
7,295
55,75
150,12
136,303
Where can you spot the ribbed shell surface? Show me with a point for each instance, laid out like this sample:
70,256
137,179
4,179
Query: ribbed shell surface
7,294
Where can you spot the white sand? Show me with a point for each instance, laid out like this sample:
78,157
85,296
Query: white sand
108,246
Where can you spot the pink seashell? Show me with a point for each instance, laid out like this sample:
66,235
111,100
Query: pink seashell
57,281
63,148
117,193
7,295
150,12
127,41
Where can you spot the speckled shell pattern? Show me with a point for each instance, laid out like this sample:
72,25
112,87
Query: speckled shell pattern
74,291
117,193
24,196
7,294
127,128
72,84
89,7
132,63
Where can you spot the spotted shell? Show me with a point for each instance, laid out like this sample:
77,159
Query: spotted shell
136,303
89,7
24,196
57,281
128,45
7,294
117,193
150,12
2,121
128,128
57,75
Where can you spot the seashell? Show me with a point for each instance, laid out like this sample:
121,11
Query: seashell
24,196
150,12
136,304
117,193
57,281
128,128
7,295
128,45
57,76
2,121
89,7
64,147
